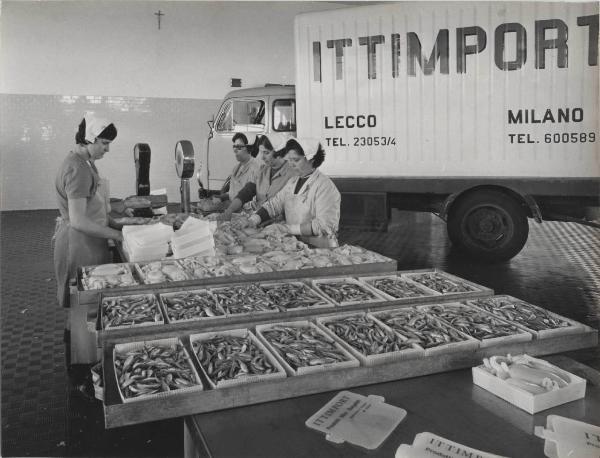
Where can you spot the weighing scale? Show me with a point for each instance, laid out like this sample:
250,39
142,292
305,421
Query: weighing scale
184,165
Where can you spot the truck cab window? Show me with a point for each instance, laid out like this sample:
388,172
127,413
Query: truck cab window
284,115
224,118
241,116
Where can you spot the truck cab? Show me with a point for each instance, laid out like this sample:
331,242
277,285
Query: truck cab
268,110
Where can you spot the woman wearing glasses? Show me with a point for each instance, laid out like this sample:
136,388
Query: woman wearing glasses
271,177
246,169
310,202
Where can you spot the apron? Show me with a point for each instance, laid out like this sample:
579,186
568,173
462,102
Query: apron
297,211
72,249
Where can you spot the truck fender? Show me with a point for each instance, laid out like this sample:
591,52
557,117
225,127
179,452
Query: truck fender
528,199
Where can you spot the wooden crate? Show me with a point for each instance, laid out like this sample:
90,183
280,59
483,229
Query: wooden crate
232,321
91,296
117,413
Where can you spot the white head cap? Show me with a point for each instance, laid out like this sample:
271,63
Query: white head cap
94,126
308,145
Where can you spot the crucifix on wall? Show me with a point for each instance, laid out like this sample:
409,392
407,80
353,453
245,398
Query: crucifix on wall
158,16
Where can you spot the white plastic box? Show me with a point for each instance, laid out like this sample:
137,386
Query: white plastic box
531,403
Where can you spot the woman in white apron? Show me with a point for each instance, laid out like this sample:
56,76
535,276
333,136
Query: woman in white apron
309,202
270,179
82,230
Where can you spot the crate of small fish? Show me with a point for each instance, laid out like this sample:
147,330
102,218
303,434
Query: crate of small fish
106,276
346,291
154,369
397,287
234,357
302,348
161,272
200,267
444,283
369,340
294,296
244,299
483,326
190,305
541,322
129,311
426,330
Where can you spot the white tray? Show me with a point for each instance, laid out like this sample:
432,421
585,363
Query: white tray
155,305
244,379
165,307
376,296
351,362
168,343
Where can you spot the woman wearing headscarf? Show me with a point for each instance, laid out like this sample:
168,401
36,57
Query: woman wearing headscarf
272,175
310,202
82,229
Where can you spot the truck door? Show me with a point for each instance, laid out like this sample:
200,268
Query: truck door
247,115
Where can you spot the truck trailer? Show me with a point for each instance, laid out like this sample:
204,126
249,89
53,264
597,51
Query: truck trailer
484,113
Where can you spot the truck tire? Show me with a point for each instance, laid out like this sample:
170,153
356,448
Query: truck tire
488,225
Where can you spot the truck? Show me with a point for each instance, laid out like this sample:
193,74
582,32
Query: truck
483,113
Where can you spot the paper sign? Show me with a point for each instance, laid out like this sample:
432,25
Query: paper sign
359,420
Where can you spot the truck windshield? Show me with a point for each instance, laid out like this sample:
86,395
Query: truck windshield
241,115
284,115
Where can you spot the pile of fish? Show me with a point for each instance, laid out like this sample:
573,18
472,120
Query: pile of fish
190,305
522,313
292,295
366,336
281,260
251,264
229,357
107,276
153,369
208,267
130,310
303,346
476,323
397,287
161,272
244,299
345,291
230,238
356,255
422,328
529,374
438,282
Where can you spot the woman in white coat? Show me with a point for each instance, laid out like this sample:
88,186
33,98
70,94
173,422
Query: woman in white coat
310,202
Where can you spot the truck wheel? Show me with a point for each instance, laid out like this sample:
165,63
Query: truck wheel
488,225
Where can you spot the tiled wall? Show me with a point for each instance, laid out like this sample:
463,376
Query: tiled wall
37,131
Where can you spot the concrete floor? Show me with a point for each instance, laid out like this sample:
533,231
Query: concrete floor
558,269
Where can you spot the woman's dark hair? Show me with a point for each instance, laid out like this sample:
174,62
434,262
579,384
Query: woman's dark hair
264,141
80,135
109,133
316,160
252,149
240,136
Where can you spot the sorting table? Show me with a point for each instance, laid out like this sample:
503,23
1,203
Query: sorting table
447,404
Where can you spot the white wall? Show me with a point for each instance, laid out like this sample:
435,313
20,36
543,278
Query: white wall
61,58
115,48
